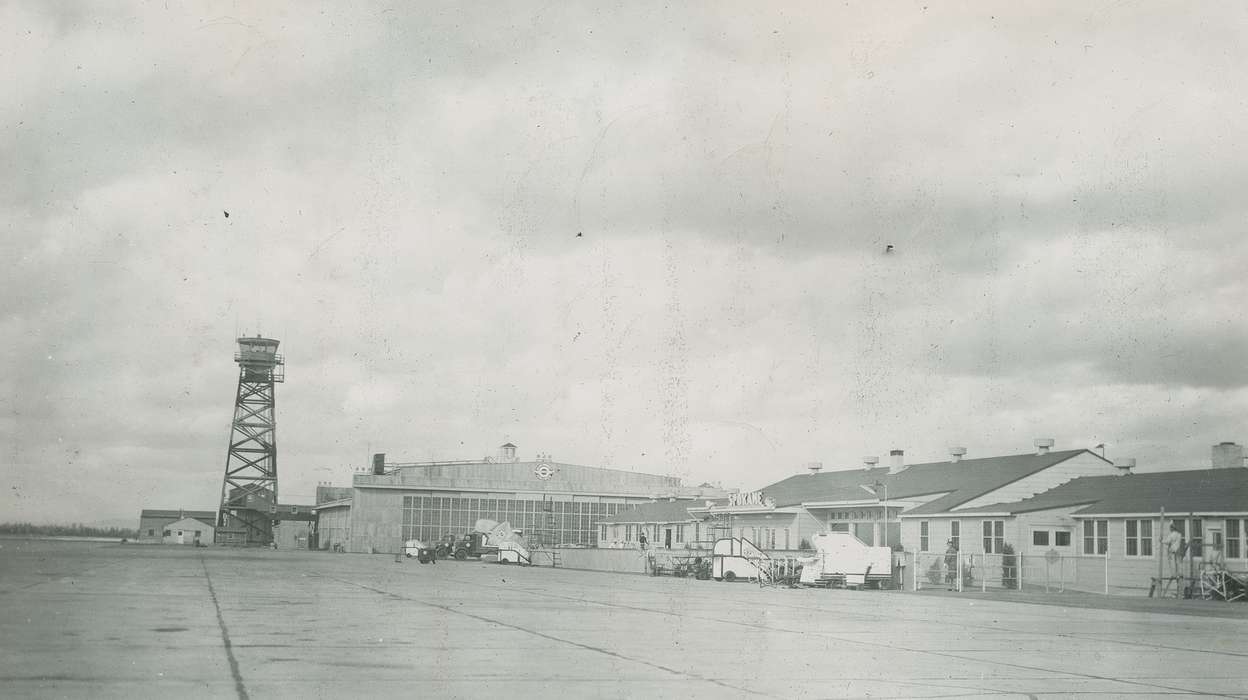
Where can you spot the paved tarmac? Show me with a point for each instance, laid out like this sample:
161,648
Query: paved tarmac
92,620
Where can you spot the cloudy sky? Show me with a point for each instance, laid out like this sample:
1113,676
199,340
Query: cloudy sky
631,235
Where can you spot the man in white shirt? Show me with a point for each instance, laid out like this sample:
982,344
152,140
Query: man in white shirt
1174,547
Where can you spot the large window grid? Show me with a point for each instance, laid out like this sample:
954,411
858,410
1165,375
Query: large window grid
555,522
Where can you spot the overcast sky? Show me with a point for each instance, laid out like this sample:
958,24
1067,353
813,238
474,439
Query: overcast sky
640,236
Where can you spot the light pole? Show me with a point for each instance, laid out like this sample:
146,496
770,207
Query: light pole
876,489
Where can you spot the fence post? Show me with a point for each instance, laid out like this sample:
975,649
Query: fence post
1106,571
1061,574
914,577
983,574
1021,563
958,573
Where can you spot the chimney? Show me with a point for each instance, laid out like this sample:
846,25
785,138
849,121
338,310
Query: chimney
1043,445
897,461
814,467
1227,455
870,462
1124,465
956,454
379,463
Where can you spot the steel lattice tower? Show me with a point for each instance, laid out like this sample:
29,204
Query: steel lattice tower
249,493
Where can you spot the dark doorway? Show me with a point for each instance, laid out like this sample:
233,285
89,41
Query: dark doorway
667,538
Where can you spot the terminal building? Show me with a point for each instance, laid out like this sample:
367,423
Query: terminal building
555,504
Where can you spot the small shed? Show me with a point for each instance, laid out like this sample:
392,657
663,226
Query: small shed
188,531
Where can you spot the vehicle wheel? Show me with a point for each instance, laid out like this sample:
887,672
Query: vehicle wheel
730,576
407,554
504,561
719,579
461,554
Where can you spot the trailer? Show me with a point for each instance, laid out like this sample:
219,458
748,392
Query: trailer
734,558
842,559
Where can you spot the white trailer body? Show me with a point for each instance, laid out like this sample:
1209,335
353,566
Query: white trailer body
735,558
840,555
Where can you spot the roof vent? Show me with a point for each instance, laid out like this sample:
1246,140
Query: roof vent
897,461
814,467
956,454
1124,465
870,462
1043,445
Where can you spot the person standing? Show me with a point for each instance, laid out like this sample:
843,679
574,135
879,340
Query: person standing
951,565
641,538
1174,547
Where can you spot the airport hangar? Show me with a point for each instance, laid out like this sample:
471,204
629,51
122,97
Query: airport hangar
555,504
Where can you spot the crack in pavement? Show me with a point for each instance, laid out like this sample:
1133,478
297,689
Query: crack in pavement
519,628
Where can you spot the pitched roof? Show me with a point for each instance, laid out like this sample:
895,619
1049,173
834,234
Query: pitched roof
1198,491
205,515
959,481
656,512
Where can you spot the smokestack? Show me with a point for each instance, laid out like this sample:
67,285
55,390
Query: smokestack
1227,455
1043,445
956,453
897,461
379,463
1124,465
814,467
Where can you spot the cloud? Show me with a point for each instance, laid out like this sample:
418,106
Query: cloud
406,188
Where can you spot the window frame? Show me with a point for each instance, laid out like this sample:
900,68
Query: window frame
1234,526
1095,543
1141,541
925,535
993,532
955,533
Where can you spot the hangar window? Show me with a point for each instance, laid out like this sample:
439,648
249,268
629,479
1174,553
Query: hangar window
923,536
1040,538
1061,538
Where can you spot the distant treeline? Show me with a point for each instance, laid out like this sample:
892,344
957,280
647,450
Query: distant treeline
72,530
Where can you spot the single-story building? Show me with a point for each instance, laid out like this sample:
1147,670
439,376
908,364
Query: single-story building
870,502
188,531
666,524
1104,533
154,522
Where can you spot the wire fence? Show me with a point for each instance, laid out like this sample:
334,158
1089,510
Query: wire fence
974,571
